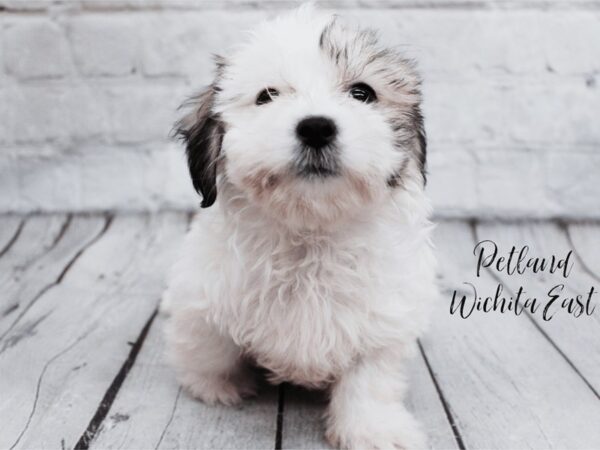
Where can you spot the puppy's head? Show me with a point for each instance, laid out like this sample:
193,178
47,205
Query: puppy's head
312,120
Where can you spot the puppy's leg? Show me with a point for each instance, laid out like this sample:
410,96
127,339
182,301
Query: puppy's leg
208,364
366,409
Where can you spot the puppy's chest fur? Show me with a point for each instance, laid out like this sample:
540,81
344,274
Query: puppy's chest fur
301,306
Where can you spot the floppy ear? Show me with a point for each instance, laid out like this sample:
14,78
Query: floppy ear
202,131
421,144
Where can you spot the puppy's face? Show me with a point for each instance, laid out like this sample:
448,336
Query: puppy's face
311,120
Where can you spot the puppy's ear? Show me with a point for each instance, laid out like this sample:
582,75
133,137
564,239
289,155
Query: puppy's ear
421,141
202,131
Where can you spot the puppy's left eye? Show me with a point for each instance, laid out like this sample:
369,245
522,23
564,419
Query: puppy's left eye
363,92
266,95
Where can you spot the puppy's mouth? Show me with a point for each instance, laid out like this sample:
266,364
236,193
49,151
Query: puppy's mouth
317,172
313,163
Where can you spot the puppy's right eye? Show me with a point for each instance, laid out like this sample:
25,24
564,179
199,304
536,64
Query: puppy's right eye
266,95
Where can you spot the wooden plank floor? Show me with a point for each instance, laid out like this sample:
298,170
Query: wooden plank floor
81,349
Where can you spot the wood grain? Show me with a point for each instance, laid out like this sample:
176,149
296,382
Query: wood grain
303,425
505,384
25,241
53,379
571,336
82,359
10,227
152,411
25,283
424,401
584,239
37,235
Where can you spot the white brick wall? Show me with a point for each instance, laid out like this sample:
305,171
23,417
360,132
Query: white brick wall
36,48
89,89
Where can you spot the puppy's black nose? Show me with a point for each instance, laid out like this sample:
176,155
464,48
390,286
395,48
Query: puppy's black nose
316,131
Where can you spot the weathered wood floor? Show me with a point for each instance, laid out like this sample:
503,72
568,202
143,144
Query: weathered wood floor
81,361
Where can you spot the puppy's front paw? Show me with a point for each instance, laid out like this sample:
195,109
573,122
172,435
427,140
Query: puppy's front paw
218,389
396,430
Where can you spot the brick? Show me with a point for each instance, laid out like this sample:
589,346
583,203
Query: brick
35,178
36,48
341,5
144,112
569,42
127,113
10,200
5,120
105,45
2,58
511,184
572,183
183,43
490,183
104,176
513,114
514,184
465,43
96,177
460,43
56,113
157,178
451,181
456,43
511,99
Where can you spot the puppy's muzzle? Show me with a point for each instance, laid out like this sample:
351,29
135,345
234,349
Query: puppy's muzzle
317,155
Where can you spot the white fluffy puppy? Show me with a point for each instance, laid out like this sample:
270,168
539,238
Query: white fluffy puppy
313,260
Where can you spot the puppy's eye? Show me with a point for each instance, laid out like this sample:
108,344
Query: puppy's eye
363,92
266,95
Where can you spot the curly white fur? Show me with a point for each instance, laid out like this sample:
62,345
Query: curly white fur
323,282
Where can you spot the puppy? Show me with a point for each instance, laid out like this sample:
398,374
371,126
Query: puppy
312,258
